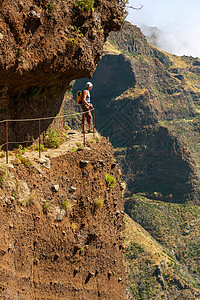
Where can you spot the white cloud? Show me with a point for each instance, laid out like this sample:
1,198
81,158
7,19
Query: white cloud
178,20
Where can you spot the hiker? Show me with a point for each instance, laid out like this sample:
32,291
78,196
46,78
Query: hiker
85,106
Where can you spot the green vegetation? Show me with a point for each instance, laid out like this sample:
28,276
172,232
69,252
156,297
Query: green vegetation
111,181
77,31
67,206
51,7
132,252
174,225
73,226
188,130
2,154
88,143
73,149
99,202
25,161
143,257
140,274
53,139
81,249
18,154
165,128
46,206
84,4
36,147
20,52
80,146
93,140
72,40
66,127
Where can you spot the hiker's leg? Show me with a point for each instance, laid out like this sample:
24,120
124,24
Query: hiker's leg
84,109
83,127
89,119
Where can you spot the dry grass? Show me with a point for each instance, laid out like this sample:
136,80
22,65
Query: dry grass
109,49
99,202
137,234
132,93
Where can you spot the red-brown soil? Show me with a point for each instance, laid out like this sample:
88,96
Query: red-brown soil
78,257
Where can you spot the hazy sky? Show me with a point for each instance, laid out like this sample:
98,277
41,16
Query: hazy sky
178,19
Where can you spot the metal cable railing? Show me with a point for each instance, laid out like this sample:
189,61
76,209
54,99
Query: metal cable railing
44,118
39,130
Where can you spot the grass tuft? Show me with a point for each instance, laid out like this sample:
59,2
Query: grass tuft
99,202
67,206
84,4
111,181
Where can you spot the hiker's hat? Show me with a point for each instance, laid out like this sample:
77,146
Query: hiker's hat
89,84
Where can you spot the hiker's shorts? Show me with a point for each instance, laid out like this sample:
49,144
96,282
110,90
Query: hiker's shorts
87,114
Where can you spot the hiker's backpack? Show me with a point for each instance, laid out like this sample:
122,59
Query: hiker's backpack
79,97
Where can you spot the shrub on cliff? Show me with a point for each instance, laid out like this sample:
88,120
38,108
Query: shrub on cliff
53,139
111,181
85,4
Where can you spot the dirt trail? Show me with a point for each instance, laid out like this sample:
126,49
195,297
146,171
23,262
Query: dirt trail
74,138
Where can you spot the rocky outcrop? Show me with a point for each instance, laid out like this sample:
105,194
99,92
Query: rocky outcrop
43,46
62,228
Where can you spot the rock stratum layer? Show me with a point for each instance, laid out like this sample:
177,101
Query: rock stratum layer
62,229
43,46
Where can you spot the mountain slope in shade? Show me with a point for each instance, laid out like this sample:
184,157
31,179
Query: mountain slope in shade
147,103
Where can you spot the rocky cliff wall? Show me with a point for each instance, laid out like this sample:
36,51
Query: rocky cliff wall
153,121
62,229
136,99
43,46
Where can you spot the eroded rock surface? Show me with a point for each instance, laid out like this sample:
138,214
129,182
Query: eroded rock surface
43,46
59,244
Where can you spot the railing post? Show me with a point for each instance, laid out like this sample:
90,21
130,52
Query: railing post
39,141
93,122
84,138
7,142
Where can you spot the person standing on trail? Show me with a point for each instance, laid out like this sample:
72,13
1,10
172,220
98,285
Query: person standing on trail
85,106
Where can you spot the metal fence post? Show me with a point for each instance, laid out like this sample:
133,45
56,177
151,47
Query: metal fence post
39,132
93,122
84,138
7,142
39,141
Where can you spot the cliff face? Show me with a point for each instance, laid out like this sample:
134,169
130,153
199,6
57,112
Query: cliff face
152,119
137,99
62,229
43,46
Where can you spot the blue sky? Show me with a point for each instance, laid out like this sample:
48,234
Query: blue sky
179,21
